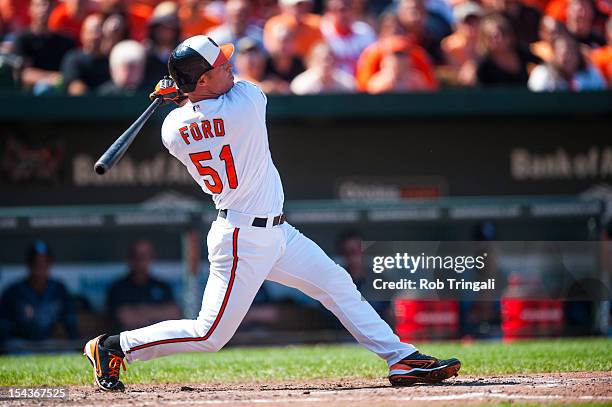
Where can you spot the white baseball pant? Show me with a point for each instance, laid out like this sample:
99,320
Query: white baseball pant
241,258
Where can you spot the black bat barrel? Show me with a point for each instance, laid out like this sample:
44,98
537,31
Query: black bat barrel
120,146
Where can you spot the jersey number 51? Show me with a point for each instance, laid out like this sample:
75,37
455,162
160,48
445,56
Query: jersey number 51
216,187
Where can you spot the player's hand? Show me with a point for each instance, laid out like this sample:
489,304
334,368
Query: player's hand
167,90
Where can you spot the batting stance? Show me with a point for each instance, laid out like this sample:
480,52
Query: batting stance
219,133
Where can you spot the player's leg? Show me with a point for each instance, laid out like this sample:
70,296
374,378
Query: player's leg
306,267
240,260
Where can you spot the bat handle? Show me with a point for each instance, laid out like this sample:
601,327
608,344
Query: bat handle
120,146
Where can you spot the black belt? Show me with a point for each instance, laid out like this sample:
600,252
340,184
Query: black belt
259,222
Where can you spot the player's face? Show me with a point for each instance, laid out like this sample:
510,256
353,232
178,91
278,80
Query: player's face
221,79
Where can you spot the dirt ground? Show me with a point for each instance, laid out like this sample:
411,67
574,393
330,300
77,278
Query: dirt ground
534,388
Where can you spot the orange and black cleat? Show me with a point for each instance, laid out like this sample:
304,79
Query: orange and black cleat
106,365
419,368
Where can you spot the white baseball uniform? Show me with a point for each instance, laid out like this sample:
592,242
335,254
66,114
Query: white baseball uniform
223,143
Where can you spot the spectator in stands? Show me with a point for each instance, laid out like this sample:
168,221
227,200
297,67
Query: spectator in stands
32,308
137,14
523,20
68,16
370,60
568,70
414,18
237,25
602,57
322,76
42,50
362,12
296,17
282,65
250,61
580,17
164,36
397,75
127,67
87,68
504,62
262,10
194,18
114,30
140,299
549,30
389,25
346,37
460,47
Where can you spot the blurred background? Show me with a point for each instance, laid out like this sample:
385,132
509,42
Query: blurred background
416,120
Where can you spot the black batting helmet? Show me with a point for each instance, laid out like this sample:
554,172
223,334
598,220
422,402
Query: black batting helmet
195,56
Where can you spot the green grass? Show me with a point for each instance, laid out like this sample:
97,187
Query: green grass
307,362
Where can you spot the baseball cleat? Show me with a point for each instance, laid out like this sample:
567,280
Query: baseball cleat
106,365
419,368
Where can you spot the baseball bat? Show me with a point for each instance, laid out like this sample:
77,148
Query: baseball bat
120,146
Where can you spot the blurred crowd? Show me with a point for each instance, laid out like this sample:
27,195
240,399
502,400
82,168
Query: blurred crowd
113,47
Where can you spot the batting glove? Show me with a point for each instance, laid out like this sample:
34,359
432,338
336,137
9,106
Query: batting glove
166,90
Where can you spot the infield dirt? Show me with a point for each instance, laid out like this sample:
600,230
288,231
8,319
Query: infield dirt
556,388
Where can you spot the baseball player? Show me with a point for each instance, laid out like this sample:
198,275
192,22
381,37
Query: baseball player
219,133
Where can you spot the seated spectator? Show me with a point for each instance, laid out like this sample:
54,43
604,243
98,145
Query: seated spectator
164,36
346,37
549,30
568,70
139,299
282,65
262,10
127,67
389,25
87,68
194,19
460,47
250,61
503,62
370,61
237,25
362,12
138,15
414,18
67,17
31,309
580,17
397,75
114,30
322,75
523,20
295,17
602,57
42,50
